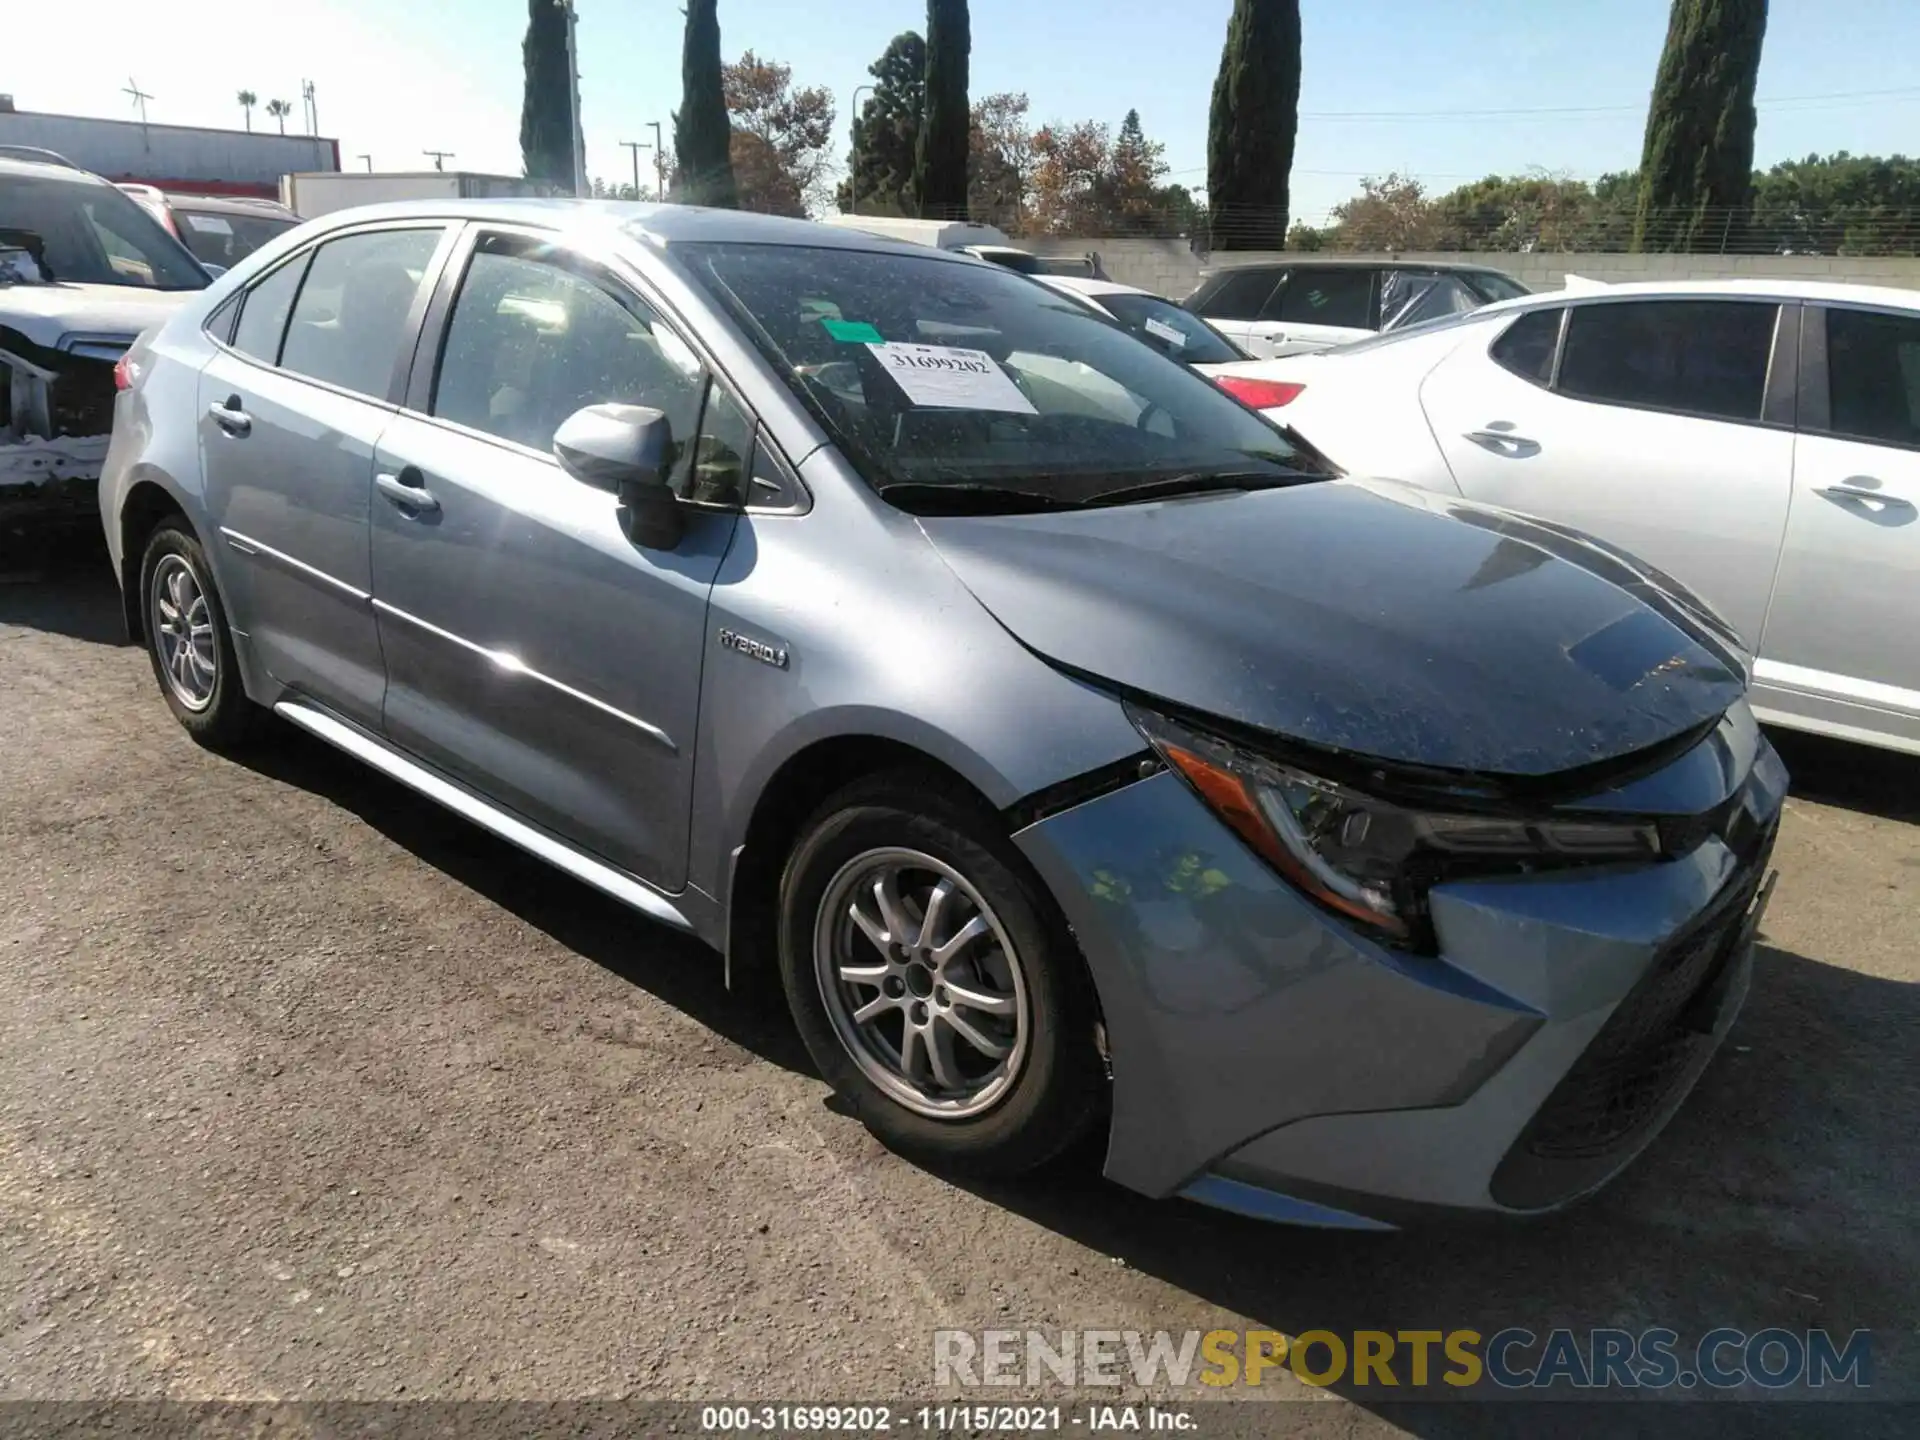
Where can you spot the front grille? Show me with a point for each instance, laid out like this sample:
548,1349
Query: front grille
1623,1082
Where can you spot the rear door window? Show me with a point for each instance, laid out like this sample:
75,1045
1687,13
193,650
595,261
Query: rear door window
1873,376
351,316
1240,296
1328,297
1697,357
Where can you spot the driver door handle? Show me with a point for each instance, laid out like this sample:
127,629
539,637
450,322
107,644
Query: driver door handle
407,489
228,415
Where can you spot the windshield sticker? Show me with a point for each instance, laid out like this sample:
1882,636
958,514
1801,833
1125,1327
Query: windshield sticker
1167,333
942,377
208,224
853,332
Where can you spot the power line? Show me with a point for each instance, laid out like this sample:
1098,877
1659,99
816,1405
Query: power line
1640,109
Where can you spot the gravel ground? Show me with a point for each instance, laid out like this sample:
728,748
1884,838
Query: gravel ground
308,1090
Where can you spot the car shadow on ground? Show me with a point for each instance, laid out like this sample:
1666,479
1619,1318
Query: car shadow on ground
61,583
1850,776
669,965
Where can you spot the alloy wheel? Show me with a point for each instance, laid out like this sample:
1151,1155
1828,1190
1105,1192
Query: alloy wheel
182,627
921,983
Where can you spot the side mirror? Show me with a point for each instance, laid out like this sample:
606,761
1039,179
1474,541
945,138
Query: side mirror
626,450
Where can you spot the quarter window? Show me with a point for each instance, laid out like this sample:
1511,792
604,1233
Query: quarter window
1699,357
1328,297
263,315
718,474
1526,347
1873,376
352,312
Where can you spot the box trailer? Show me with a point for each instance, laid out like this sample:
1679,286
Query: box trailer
323,192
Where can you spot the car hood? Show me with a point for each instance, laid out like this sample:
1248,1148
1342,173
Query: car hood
49,314
1361,616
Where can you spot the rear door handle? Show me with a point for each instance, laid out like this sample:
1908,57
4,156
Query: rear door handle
1859,492
407,490
228,415
1504,442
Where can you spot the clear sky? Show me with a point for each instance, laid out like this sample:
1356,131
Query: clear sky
395,77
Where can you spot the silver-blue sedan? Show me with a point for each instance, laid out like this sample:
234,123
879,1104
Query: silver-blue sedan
1076,746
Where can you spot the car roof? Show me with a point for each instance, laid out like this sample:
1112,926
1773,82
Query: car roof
1081,285
1312,259
1782,288
231,205
664,225
49,170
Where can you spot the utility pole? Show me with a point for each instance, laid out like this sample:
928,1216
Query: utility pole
659,163
853,172
368,159
312,107
140,97
438,156
636,146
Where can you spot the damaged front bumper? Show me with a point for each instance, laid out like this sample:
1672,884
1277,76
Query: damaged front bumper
56,419
1269,1059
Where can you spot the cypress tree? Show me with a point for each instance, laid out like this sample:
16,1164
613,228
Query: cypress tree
546,108
1696,167
940,154
702,134
1253,125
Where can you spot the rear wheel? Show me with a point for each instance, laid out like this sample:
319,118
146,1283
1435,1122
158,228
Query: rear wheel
934,984
188,640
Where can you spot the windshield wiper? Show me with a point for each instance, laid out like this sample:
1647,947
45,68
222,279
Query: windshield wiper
1201,482
931,497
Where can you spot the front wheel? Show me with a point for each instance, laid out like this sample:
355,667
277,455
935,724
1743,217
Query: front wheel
933,982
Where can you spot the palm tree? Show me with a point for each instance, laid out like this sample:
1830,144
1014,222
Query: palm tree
247,101
280,109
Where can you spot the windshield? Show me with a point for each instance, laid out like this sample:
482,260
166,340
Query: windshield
93,234
1495,286
1166,327
224,238
932,373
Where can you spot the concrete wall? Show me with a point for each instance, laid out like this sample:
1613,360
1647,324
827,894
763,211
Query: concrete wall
1168,267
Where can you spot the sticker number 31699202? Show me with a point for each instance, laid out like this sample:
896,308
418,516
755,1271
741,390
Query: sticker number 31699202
943,377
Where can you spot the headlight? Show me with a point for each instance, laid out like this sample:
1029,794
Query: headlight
1368,859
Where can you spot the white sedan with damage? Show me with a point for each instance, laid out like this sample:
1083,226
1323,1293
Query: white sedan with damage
83,270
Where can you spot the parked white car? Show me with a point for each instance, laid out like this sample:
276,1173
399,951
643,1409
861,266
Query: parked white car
1182,334
1297,306
1759,440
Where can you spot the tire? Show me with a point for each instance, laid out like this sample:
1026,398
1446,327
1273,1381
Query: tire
200,681
1019,985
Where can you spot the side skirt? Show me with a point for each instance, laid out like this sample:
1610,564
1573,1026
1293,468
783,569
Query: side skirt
539,843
